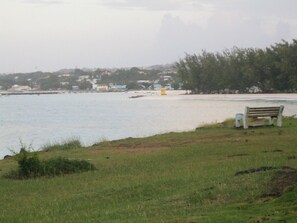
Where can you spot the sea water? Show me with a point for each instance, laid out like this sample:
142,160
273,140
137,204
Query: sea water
92,117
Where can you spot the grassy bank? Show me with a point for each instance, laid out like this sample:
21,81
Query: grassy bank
214,174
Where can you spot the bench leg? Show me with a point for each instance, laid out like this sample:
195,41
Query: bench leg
245,122
238,117
237,123
279,121
270,120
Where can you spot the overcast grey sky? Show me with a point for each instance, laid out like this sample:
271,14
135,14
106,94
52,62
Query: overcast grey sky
49,35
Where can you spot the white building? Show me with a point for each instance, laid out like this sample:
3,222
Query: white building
20,88
83,77
102,88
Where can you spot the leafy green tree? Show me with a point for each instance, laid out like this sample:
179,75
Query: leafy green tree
85,85
50,83
271,69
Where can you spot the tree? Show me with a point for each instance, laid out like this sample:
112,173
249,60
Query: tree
273,68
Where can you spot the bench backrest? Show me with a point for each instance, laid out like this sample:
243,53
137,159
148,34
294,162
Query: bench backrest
264,111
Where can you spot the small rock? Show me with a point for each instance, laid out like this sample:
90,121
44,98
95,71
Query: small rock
7,157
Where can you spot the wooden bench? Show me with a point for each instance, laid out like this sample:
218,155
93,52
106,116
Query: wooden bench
260,112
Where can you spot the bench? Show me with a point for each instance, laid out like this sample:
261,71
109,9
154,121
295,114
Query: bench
260,112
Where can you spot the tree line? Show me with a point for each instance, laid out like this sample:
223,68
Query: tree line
273,69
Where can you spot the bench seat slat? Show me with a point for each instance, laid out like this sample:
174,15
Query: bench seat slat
262,115
261,110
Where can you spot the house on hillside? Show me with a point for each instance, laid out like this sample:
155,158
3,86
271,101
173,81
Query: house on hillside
83,77
75,88
102,88
119,88
20,88
144,82
155,87
168,87
166,78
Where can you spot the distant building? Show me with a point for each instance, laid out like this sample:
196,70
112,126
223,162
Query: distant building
64,83
167,78
119,87
144,82
168,87
75,88
155,87
94,86
102,88
20,88
106,72
83,77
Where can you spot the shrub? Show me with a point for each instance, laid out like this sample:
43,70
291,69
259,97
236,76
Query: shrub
31,167
60,166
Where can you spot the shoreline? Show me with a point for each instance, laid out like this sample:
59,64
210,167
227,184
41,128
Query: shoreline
93,132
169,92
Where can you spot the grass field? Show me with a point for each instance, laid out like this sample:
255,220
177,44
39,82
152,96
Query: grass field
213,174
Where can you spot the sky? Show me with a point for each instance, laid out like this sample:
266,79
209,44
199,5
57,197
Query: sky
48,35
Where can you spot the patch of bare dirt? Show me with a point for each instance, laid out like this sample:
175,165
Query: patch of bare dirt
283,177
281,180
266,168
254,170
273,151
240,154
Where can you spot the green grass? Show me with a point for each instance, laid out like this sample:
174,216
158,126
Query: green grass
63,145
174,177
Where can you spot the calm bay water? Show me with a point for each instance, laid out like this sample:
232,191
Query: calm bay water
43,119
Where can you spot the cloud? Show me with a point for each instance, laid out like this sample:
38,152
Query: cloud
256,8
48,2
286,8
224,31
106,33
283,31
278,8
157,5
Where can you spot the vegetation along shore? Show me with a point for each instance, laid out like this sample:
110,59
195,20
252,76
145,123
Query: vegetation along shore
214,174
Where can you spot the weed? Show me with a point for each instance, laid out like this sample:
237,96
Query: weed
60,166
64,145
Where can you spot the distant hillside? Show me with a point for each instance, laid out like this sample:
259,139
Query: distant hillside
93,79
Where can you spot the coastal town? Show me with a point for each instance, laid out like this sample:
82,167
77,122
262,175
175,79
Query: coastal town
100,81
90,80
